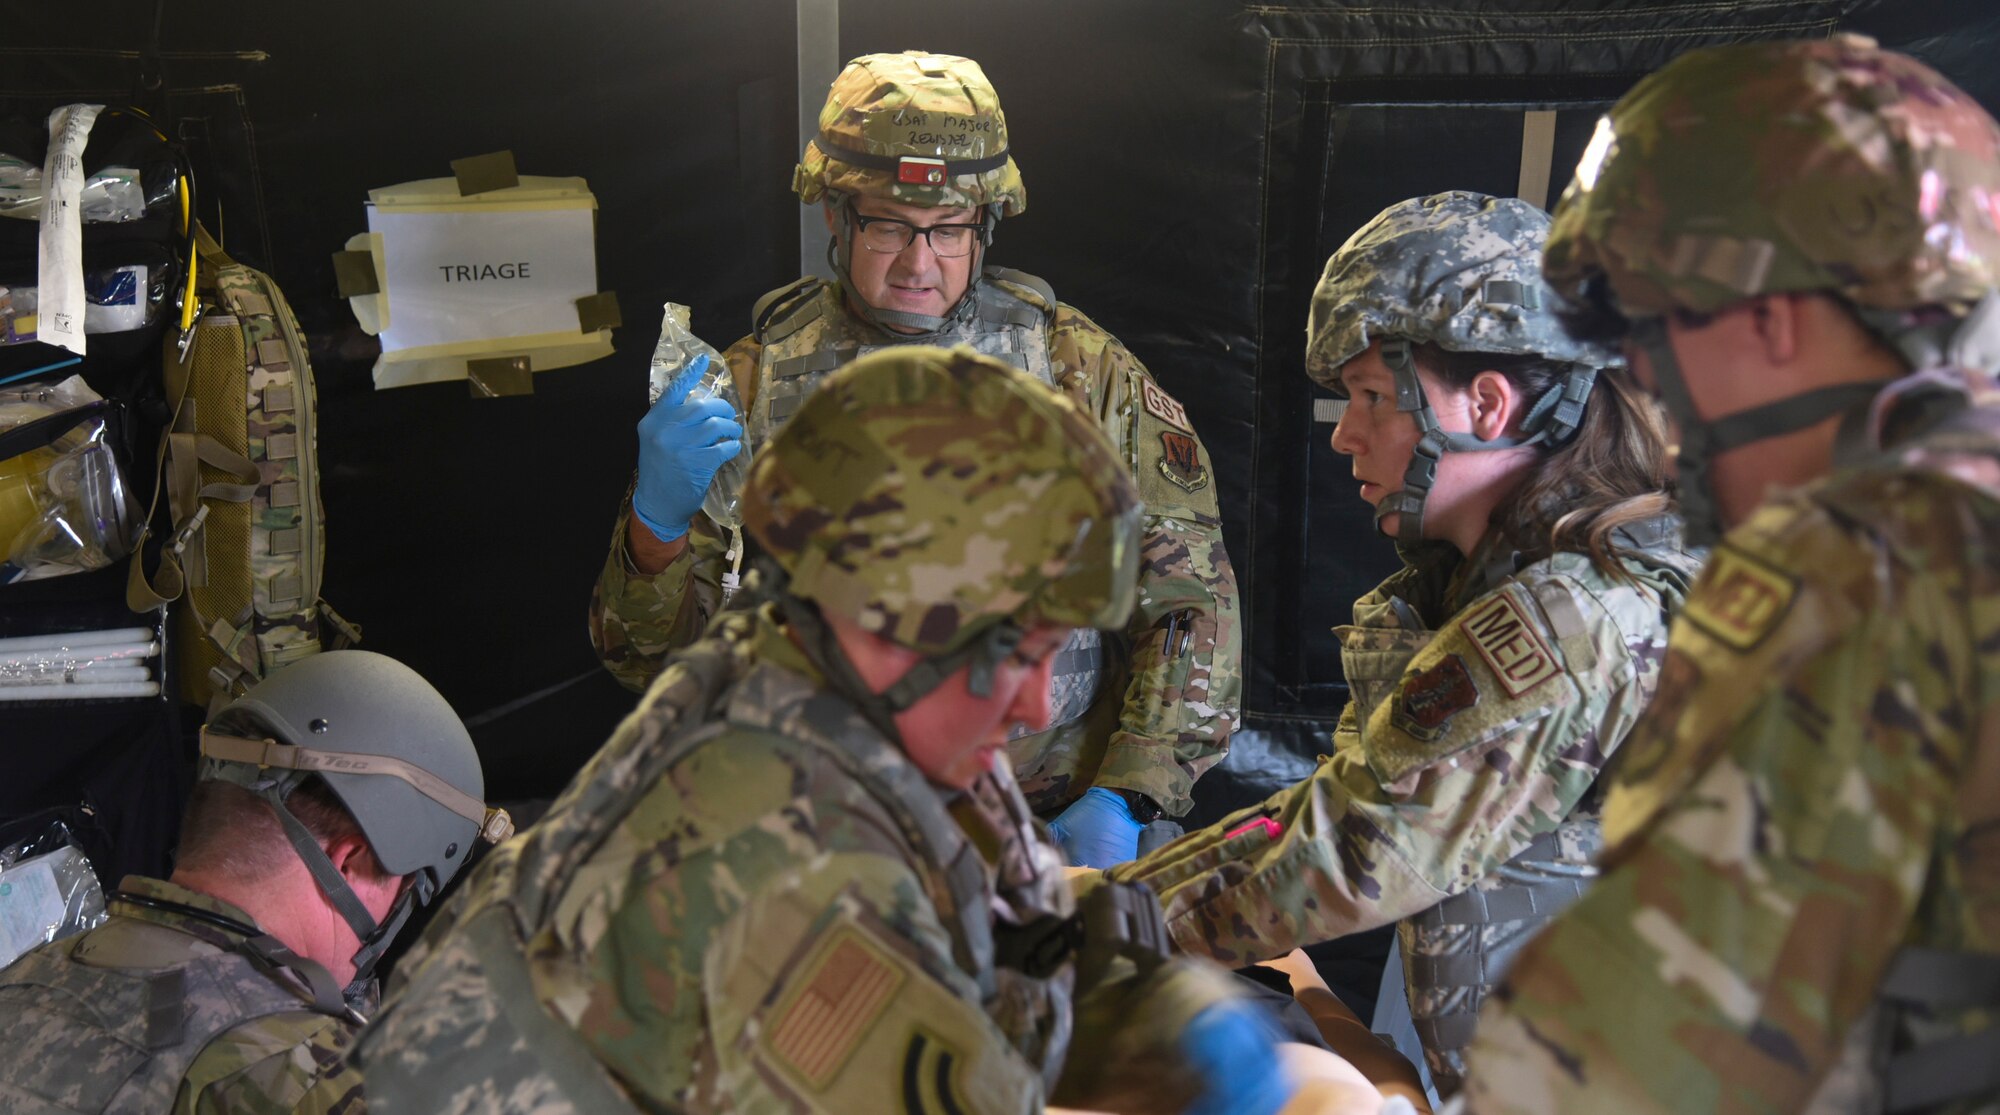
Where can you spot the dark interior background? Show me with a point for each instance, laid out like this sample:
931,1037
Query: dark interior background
1190,165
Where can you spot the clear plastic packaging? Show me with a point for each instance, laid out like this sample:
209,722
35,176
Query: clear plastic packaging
64,507
116,299
678,347
47,892
113,195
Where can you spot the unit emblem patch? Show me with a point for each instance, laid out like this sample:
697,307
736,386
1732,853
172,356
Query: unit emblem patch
1430,698
1181,461
1741,599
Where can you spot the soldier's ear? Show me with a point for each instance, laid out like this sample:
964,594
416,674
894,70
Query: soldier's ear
1777,318
1497,405
827,208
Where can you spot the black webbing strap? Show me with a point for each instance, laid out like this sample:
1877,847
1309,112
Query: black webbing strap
1114,920
1942,980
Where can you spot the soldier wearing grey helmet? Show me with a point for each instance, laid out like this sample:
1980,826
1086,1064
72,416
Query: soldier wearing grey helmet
1493,676
333,795
913,166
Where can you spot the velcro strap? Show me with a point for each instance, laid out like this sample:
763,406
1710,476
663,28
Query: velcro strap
824,360
271,753
166,1008
1579,651
1452,1031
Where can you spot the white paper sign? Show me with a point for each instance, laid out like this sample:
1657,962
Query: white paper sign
457,277
60,283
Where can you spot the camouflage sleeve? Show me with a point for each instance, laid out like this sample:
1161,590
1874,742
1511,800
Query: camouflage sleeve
637,620
263,1067
1777,822
1185,635
1495,731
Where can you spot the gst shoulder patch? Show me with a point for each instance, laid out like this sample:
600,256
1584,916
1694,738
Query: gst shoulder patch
1161,405
1740,599
1510,644
841,991
1430,698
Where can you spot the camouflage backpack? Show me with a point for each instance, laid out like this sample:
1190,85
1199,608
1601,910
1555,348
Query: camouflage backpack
239,463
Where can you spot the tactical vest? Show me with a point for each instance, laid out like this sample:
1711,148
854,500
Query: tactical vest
1457,951
807,331
80,1038
514,898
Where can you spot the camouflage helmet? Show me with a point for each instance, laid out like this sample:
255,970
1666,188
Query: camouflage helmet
1784,167
930,494
1462,271
1459,270
1775,167
917,128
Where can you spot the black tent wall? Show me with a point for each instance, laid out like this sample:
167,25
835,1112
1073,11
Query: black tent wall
1190,167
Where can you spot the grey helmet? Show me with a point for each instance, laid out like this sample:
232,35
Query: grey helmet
389,747
1462,271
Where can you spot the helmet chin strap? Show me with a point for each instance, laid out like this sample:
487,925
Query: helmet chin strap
1701,440
1552,420
374,937
822,647
840,256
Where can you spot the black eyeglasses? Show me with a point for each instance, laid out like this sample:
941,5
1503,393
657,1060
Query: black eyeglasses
889,235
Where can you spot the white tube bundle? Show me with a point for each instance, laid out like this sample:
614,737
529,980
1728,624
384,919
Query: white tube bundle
91,665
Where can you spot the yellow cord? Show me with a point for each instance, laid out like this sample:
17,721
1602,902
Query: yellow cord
194,254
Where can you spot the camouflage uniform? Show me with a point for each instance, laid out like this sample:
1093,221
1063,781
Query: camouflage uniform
1449,777
1148,710
1487,692
751,899
1801,886
159,1010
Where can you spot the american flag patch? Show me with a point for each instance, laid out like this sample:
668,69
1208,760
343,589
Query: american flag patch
1162,406
846,989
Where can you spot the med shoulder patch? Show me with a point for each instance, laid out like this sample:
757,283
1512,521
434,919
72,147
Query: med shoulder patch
1740,599
1511,645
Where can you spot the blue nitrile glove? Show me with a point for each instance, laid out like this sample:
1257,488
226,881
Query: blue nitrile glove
1236,1052
681,444
1097,830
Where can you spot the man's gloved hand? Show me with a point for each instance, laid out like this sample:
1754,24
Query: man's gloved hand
1235,1051
1097,830
681,444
